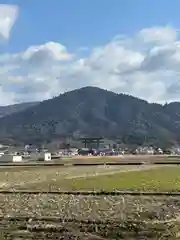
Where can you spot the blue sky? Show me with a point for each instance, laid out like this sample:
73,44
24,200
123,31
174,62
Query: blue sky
51,46
77,23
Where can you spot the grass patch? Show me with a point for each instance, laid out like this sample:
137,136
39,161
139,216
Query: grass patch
164,179
54,178
160,179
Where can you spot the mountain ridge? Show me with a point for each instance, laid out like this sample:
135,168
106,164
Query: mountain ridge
12,108
91,111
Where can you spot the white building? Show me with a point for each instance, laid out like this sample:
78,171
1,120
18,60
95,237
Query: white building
7,158
47,156
16,158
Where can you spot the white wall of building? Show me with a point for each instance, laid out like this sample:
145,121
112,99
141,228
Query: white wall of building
17,158
47,156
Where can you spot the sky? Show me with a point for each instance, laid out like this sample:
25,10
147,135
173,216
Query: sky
48,47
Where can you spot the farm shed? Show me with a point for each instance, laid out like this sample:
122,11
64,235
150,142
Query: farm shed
36,157
40,156
47,156
17,158
7,158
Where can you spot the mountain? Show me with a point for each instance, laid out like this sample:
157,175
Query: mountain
6,110
92,111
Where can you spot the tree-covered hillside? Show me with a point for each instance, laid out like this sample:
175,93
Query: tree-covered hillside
92,111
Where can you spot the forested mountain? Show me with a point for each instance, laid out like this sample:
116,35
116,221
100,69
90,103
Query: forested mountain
92,111
6,110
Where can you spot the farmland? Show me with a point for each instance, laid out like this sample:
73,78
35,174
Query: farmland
90,216
144,177
147,179
102,216
56,177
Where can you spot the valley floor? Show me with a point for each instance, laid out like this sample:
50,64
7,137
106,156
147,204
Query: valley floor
66,178
118,217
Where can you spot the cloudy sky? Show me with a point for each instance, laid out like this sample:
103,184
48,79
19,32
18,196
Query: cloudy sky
51,46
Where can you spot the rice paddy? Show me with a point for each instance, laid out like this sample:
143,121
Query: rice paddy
114,217
107,178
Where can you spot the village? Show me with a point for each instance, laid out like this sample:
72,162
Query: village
31,153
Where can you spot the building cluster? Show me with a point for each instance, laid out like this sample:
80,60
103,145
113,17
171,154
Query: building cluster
14,154
17,157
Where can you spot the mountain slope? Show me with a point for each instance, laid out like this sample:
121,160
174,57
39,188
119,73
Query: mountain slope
95,112
6,110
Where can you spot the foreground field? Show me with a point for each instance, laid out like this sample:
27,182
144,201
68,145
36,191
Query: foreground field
158,179
90,217
49,178
145,178
53,216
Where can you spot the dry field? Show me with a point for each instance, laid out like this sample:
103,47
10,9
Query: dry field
116,217
120,159
34,177
109,217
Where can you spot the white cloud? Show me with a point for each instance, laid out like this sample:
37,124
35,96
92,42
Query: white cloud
144,65
50,51
8,16
158,35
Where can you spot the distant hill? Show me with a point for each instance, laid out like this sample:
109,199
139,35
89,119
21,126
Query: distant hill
6,110
92,111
